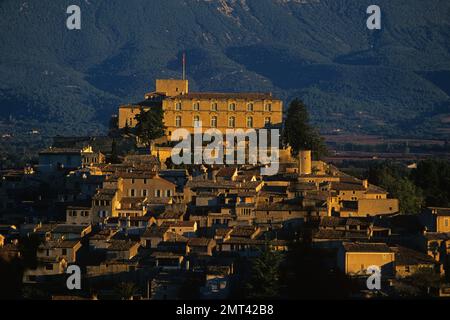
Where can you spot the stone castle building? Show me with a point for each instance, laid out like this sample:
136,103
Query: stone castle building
184,109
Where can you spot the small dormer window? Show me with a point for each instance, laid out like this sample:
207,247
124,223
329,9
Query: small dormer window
178,106
232,106
197,106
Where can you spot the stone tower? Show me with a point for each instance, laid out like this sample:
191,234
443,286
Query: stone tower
304,166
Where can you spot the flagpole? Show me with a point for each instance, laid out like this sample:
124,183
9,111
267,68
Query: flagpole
184,66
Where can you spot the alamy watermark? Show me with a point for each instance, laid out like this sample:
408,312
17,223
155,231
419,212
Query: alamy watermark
263,147
73,22
74,280
373,282
374,21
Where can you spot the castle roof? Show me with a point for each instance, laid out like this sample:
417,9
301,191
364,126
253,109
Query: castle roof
225,95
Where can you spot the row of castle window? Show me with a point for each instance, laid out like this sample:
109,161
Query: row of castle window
231,106
102,203
231,122
158,193
82,213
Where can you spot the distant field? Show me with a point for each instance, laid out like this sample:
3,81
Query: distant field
379,140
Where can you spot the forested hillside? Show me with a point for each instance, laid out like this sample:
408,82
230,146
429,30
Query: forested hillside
394,81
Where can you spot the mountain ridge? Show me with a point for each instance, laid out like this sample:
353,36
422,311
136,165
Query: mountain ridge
393,81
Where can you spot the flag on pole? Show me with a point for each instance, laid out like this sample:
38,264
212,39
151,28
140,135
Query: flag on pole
184,66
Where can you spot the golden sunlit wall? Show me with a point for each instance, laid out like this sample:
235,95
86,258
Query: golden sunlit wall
220,113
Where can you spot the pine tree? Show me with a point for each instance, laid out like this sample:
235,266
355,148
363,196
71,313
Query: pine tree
298,133
150,125
265,279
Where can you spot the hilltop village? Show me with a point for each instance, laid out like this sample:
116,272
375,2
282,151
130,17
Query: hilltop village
141,228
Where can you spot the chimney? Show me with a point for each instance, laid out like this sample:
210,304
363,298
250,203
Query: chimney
365,183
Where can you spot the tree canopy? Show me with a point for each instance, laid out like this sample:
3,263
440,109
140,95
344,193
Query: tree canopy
265,279
298,133
150,125
395,179
433,176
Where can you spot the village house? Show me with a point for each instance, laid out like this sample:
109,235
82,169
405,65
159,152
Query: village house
436,219
46,267
201,246
247,247
104,204
10,251
333,239
122,249
80,214
66,249
249,232
113,270
166,285
154,235
436,245
54,159
169,213
100,240
134,225
70,231
168,260
174,243
132,207
217,282
279,213
150,186
8,230
408,261
226,173
354,258
214,220
183,228
43,231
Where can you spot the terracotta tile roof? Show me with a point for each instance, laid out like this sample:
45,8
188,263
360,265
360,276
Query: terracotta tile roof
226,172
366,247
105,194
179,224
331,222
222,184
103,235
225,95
166,255
199,242
61,151
279,206
437,236
327,234
155,232
405,256
69,228
65,244
244,231
445,212
121,245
